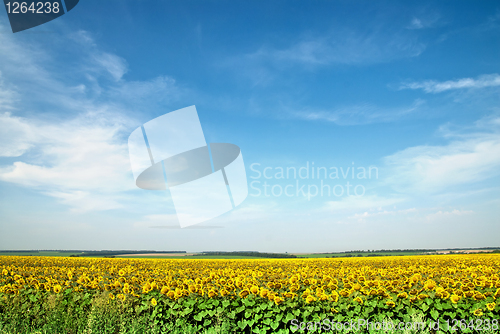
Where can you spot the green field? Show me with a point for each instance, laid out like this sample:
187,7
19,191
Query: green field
358,254
39,253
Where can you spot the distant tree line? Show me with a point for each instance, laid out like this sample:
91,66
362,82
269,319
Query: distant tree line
252,254
108,253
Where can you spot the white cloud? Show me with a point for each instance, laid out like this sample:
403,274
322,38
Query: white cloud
432,169
15,136
86,153
357,114
78,152
344,47
367,214
114,65
84,201
416,24
440,215
362,202
432,86
162,88
424,21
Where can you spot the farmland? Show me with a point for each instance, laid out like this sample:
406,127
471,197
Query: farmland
83,295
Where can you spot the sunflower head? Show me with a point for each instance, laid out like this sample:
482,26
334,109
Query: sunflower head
478,312
244,293
454,299
310,299
358,300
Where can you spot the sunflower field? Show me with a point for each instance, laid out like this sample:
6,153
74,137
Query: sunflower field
461,293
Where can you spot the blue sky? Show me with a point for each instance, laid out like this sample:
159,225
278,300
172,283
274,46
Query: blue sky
410,88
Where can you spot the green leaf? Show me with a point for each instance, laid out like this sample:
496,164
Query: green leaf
248,302
274,325
434,314
242,324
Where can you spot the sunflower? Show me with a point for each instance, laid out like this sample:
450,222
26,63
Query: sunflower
390,303
57,288
146,288
359,300
323,297
334,297
454,299
478,312
244,293
429,284
154,302
310,299
490,306
479,296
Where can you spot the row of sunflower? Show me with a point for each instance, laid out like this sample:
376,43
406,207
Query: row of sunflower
471,279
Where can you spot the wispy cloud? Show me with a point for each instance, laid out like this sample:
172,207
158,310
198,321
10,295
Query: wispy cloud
423,21
357,114
80,161
468,158
78,153
367,214
372,202
344,47
440,215
432,86
416,24
114,65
